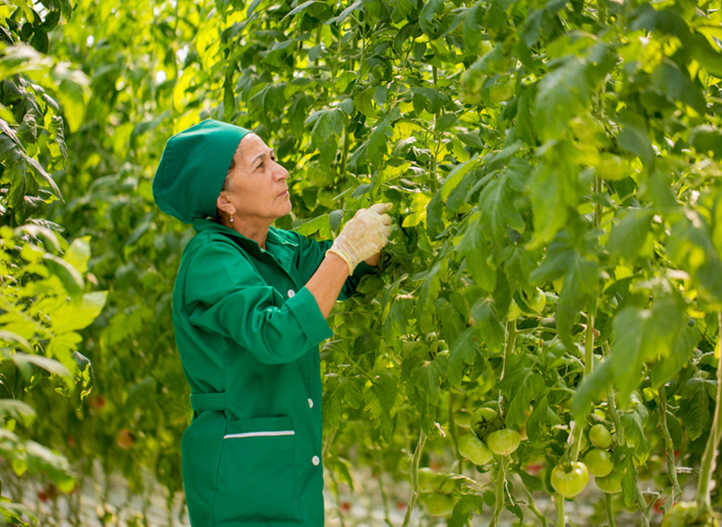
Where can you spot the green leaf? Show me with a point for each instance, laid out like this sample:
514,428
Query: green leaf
377,148
707,139
553,189
695,407
427,18
381,402
629,234
68,275
75,316
682,351
456,176
636,141
17,410
488,326
463,352
581,286
676,86
435,216
478,256
464,510
496,200
472,29
521,385
326,133
78,254
562,95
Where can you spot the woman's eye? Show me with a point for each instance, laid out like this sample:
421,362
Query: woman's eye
259,167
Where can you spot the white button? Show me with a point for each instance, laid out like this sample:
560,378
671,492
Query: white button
310,403
291,293
315,460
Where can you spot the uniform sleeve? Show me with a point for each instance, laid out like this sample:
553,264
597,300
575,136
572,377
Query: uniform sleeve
312,253
225,294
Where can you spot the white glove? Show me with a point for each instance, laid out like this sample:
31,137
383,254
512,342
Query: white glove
364,235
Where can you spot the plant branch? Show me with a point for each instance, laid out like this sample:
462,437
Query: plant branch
415,476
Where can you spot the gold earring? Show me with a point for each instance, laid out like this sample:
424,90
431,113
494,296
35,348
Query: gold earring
231,218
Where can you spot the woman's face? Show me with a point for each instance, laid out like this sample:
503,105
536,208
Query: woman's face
257,190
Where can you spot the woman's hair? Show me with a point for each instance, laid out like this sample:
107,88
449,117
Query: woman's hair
226,186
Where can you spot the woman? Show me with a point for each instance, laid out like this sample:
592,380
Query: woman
249,308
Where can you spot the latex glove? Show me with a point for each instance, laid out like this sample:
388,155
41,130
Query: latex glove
364,235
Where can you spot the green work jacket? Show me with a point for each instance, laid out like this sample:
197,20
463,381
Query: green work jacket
248,333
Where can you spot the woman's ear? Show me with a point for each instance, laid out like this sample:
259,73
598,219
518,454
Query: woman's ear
224,204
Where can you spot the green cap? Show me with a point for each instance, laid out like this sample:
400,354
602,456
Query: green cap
193,168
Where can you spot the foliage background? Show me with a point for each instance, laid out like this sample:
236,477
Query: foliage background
562,155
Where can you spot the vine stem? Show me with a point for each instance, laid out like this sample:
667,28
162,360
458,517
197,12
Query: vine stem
610,510
415,476
668,446
500,484
704,503
532,506
588,368
612,409
559,501
508,350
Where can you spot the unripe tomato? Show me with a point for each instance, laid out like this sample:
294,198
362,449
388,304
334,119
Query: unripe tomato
462,418
485,47
570,481
445,484
610,484
470,86
600,436
537,301
482,416
473,449
438,504
681,514
501,89
503,442
514,311
427,479
599,462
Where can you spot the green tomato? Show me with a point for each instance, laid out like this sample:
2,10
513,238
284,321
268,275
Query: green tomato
470,86
474,449
462,418
570,481
600,436
682,513
514,311
599,462
537,301
501,89
438,504
503,442
427,479
485,47
610,484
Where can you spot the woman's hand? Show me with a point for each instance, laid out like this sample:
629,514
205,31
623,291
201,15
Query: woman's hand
364,235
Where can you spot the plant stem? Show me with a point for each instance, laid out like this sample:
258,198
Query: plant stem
610,510
344,154
384,497
642,503
415,476
588,367
668,446
532,506
500,483
559,501
704,503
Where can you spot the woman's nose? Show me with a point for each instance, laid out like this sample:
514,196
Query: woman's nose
280,173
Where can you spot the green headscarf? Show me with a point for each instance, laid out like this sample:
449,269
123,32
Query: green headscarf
193,168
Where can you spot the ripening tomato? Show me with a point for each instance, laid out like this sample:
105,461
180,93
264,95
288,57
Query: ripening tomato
474,449
438,504
570,481
600,436
125,438
503,442
599,462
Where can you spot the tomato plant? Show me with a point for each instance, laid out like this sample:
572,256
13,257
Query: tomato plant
554,265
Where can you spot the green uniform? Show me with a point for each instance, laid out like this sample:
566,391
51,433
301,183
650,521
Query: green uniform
248,333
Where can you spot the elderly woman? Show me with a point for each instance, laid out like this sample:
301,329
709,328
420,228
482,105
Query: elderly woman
249,308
